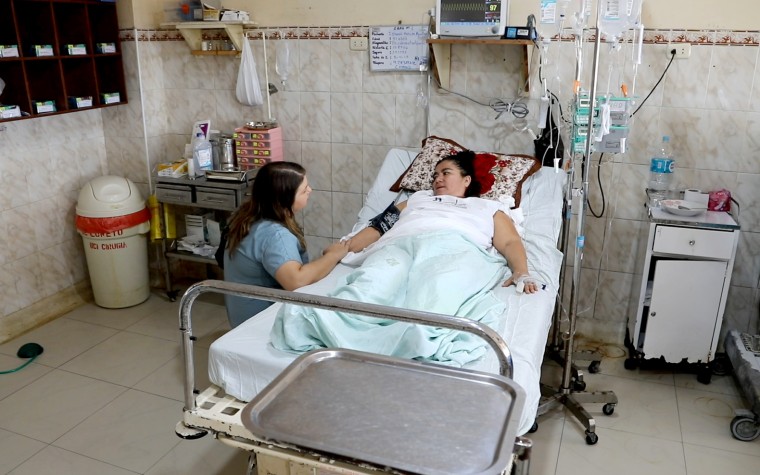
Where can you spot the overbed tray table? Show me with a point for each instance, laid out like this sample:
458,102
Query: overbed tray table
410,416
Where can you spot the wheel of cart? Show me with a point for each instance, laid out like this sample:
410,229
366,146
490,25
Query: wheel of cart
745,426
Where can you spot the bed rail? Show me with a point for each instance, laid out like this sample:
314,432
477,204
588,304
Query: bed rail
329,303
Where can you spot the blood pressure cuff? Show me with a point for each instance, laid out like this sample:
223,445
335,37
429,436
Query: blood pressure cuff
384,221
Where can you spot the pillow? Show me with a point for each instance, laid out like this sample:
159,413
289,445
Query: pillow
419,175
503,175
500,175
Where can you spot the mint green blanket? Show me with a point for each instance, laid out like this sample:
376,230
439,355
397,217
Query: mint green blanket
439,272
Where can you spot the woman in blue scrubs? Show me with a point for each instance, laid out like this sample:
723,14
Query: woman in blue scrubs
266,246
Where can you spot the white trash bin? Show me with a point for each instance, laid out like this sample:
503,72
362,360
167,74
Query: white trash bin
113,221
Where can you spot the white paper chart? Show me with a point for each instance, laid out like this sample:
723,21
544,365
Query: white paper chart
398,48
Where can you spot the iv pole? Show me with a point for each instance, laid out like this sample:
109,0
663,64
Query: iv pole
565,394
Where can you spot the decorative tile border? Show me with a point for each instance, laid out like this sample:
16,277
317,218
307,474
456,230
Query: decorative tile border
302,33
696,37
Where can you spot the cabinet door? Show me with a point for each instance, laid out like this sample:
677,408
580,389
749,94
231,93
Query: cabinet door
683,310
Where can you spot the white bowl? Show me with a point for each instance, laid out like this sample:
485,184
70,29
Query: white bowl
682,207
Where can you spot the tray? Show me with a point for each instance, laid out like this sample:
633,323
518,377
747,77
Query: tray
229,175
411,416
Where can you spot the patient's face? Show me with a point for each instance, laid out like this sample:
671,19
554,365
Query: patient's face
448,179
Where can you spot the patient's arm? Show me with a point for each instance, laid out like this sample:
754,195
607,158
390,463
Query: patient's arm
293,275
368,235
510,245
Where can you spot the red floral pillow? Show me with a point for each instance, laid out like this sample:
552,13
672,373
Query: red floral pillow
503,175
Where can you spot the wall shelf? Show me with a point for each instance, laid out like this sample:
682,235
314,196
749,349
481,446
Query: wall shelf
441,57
192,32
54,79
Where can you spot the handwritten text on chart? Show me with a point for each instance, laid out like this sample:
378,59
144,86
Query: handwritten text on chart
398,48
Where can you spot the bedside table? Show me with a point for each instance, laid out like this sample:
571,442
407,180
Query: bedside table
680,291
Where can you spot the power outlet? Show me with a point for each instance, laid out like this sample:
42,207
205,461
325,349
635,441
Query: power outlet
683,50
358,43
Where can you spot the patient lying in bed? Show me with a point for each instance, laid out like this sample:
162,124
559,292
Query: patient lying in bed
444,254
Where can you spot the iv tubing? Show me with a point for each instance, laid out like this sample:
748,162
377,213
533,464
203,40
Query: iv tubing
266,74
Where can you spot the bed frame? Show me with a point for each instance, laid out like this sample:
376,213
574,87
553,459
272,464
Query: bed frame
212,411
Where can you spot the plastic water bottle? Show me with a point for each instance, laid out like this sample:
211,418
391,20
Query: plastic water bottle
661,172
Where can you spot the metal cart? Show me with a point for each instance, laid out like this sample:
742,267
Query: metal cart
743,350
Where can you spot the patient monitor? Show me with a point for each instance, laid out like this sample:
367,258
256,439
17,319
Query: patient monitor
471,18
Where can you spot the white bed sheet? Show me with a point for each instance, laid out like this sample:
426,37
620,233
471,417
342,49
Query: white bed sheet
242,362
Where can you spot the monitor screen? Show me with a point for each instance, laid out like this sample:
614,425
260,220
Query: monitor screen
472,17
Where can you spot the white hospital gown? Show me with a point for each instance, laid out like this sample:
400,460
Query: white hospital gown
426,212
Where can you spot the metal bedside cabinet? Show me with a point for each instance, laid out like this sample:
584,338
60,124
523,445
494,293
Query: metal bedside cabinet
222,196
679,297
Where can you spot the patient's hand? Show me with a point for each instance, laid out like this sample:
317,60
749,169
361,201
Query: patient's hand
337,249
524,283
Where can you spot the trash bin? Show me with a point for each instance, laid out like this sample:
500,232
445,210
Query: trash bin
113,221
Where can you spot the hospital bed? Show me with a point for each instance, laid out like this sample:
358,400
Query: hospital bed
242,363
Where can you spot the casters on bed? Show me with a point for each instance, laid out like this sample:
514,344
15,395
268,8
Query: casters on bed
608,409
534,427
744,427
594,367
172,294
591,438
185,432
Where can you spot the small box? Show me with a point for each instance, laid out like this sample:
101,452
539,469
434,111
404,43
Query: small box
195,225
234,15
43,107
9,112
76,49
43,50
173,170
80,102
210,14
8,51
105,48
110,98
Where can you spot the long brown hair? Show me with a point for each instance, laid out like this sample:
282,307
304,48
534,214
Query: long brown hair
272,197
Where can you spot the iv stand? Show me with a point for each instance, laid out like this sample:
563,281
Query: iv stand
565,395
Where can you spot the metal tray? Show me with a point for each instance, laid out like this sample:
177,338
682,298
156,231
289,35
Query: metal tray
410,416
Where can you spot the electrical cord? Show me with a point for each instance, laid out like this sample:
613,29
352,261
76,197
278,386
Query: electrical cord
601,189
672,57
517,108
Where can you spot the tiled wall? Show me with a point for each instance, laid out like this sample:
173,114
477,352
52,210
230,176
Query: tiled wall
339,120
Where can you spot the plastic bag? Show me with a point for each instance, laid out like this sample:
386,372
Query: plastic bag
720,200
248,90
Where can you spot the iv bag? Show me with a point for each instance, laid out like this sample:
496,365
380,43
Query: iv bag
618,16
282,61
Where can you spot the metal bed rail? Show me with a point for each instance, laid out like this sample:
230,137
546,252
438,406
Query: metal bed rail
276,295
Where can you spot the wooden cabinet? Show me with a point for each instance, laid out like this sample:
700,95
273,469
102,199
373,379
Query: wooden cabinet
47,71
679,301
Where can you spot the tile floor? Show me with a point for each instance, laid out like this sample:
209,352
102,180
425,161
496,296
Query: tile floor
106,394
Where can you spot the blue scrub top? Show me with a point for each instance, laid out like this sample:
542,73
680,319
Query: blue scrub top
267,246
